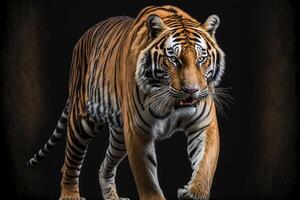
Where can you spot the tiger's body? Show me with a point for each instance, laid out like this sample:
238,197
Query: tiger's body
121,75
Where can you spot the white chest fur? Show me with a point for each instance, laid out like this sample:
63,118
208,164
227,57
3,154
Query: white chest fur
181,119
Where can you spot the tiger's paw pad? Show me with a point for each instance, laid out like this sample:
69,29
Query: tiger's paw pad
186,194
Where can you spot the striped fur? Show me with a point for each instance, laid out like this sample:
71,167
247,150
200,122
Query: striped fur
147,78
61,125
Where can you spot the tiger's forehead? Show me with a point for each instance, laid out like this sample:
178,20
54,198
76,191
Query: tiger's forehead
178,41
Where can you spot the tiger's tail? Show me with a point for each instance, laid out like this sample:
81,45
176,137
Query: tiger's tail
61,125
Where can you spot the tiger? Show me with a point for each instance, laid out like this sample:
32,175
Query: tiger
146,79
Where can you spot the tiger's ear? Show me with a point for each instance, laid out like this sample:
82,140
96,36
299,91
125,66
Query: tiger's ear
155,25
211,24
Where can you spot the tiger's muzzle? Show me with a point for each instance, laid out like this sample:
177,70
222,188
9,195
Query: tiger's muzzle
192,99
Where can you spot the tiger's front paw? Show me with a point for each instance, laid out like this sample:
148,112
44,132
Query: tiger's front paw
188,193
70,193
72,198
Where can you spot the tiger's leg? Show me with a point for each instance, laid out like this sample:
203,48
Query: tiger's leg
203,151
142,159
80,132
116,151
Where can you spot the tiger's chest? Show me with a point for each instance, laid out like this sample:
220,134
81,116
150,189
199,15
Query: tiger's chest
181,119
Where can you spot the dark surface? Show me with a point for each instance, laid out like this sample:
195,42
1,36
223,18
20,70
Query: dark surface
258,155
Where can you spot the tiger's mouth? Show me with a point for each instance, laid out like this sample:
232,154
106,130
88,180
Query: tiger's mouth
189,101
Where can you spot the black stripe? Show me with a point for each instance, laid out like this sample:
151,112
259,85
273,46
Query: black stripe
192,152
198,131
90,123
139,114
76,142
72,161
45,151
155,59
73,156
110,166
152,160
116,148
194,162
197,153
154,81
66,111
115,139
197,35
71,176
177,34
197,118
113,156
209,110
115,131
194,39
192,139
81,131
63,120
49,146
54,139
37,157
162,45
109,105
59,130
75,150
97,97
66,182
72,168
110,176
110,159
174,24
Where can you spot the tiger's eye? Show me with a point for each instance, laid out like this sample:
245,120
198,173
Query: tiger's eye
173,59
201,59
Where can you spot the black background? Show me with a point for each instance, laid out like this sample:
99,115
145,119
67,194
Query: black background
256,36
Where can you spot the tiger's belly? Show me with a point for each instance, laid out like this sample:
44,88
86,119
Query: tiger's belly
105,113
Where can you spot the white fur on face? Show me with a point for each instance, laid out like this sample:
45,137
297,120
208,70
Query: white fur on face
176,48
200,46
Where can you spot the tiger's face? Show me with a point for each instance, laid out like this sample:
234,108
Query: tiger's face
187,64
181,65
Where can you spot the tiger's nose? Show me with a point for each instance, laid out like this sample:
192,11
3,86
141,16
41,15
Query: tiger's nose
191,89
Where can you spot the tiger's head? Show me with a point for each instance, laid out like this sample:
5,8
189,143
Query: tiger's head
181,64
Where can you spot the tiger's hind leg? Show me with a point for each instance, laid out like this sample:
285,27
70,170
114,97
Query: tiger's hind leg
80,132
116,151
